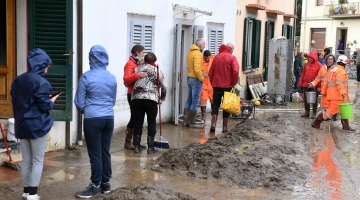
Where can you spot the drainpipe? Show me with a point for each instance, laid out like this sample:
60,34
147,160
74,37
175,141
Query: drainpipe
305,23
67,131
294,32
80,62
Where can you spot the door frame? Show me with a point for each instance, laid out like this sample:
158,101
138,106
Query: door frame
8,72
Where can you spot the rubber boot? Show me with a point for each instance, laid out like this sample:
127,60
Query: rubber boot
203,112
313,114
191,118
128,138
137,139
141,145
346,125
225,123
151,149
307,109
213,123
316,123
185,120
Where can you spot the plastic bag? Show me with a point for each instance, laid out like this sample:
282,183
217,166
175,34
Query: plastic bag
231,102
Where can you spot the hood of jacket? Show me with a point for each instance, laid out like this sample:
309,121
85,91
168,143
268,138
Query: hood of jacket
224,48
98,57
193,47
38,60
314,55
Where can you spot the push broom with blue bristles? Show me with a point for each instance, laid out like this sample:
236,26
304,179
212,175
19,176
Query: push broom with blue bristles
160,142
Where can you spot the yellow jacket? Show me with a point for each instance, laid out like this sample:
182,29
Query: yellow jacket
194,63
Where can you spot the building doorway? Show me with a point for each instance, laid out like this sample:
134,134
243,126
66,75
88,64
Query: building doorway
341,38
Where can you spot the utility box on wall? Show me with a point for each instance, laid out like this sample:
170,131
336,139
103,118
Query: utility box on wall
280,67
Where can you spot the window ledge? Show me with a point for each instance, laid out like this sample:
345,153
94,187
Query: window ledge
250,70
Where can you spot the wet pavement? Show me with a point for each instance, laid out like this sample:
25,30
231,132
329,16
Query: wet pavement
333,162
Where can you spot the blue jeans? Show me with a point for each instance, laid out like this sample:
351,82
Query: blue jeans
98,134
193,99
297,78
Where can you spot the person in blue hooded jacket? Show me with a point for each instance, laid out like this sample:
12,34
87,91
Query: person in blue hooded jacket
31,105
95,99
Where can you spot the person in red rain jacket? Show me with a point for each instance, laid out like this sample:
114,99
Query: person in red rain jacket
137,54
309,73
223,75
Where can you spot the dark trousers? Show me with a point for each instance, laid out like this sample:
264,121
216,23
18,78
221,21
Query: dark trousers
131,121
297,78
358,74
140,108
217,96
98,134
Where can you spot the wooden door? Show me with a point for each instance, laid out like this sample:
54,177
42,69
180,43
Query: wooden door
7,55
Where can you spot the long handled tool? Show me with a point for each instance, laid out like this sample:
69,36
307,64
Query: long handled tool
160,142
10,163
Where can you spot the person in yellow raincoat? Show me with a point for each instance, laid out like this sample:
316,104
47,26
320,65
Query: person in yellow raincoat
207,90
335,90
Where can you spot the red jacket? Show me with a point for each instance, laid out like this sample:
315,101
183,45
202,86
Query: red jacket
129,76
224,71
310,71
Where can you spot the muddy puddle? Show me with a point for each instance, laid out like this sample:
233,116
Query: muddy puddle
254,154
143,192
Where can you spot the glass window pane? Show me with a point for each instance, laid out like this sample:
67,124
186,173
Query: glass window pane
2,32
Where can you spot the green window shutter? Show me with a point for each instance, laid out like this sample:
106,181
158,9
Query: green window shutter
289,32
266,49
246,37
256,44
50,28
142,34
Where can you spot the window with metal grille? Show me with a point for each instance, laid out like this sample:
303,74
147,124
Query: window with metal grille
269,33
143,34
216,39
251,51
287,31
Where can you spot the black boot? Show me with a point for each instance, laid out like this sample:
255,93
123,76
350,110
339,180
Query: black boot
151,148
203,112
213,123
137,139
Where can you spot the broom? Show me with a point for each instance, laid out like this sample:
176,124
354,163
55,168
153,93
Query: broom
10,163
160,142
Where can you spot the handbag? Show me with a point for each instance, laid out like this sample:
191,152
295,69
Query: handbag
231,102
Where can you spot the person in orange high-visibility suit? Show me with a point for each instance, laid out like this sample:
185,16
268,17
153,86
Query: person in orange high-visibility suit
336,90
322,78
207,90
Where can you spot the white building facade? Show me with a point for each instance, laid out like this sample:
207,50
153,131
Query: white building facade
68,30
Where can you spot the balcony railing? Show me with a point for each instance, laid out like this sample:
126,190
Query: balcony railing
345,10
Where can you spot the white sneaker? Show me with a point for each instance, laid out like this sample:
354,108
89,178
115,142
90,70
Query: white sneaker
33,197
25,195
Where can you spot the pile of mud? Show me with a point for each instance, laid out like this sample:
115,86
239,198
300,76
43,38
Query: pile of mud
256,153
143,192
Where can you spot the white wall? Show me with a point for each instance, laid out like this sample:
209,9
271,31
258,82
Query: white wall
106,24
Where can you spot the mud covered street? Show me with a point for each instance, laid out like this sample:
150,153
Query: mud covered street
275,155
